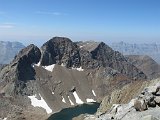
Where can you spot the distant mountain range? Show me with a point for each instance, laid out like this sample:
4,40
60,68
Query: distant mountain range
152,50
8,50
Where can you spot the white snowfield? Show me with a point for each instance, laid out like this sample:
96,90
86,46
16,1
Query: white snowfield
40,103
63,100
70,101
78,100
49,67
93,93
90,100
79,69
38,64
63,65
52,93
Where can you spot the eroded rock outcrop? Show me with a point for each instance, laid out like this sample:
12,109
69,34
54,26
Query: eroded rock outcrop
145,106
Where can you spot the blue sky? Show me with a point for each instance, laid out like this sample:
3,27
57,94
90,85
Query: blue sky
35,21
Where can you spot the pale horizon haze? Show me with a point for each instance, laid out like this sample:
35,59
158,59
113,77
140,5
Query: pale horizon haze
36,21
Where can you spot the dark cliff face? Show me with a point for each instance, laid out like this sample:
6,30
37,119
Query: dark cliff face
20,70
114,59
94,54
28,56
60,51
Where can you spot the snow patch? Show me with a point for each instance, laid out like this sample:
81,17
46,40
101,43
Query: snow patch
93,93
78,100
49,67
53,93
90,100
79,69
70,101
63,100
62,64
81,46
38,64
5,119
40,103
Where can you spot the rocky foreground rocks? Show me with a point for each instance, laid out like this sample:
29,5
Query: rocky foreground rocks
145,106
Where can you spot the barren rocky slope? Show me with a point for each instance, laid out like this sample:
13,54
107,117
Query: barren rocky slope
61,74
145,106
146,64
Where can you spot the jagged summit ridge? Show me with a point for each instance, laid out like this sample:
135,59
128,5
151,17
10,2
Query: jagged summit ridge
20,70
62,66
88,55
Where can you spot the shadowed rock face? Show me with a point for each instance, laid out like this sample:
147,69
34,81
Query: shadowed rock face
110,58
20,70
60,50
88,55
26,57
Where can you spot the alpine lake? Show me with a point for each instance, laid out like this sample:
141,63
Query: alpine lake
70,113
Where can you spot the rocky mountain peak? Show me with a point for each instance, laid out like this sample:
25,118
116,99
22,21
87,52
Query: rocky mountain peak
87,54
83,73
60,50
21,67
30,54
